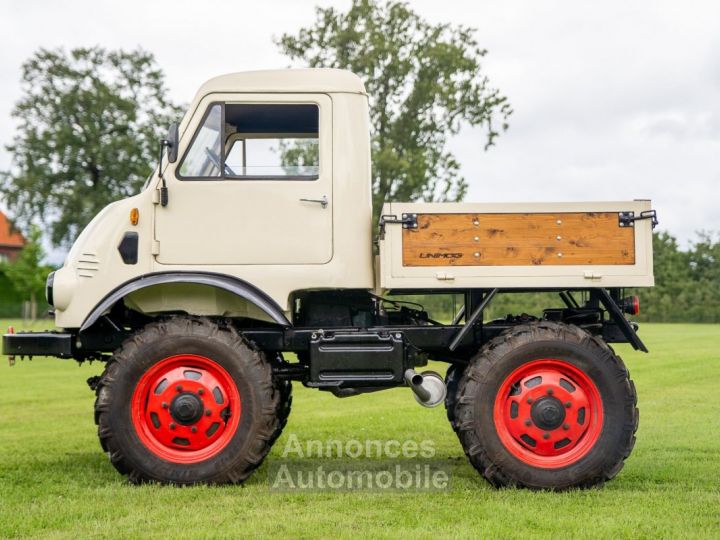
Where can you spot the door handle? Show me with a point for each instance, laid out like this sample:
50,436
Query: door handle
323,202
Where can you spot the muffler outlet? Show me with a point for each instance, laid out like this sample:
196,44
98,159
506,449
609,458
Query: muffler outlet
428,387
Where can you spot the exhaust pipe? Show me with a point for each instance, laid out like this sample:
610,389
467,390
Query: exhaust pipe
428,387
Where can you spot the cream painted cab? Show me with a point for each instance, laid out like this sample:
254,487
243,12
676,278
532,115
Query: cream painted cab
280,228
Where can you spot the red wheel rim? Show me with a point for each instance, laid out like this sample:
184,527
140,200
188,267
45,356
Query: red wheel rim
186,408
548,413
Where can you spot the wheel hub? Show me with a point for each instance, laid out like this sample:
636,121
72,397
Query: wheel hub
186,408
547,413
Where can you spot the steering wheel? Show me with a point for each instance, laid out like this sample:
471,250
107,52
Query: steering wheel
215,160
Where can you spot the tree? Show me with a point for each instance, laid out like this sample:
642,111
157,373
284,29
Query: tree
425,81
705,258
89,125
687,282
704,261
27,274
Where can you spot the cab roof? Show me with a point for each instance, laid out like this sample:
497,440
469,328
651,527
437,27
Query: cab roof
286,80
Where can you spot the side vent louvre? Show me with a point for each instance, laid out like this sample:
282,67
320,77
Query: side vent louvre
88,265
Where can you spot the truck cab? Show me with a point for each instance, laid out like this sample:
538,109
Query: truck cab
258,192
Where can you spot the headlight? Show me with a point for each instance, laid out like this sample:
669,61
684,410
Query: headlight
49,288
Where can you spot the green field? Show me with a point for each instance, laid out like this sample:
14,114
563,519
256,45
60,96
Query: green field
56,482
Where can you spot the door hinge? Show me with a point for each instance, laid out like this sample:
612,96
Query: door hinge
155,248
444,276
589,274
156,196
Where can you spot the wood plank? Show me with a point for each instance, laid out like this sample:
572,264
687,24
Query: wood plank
523,239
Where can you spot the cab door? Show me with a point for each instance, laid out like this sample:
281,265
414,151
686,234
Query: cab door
253,186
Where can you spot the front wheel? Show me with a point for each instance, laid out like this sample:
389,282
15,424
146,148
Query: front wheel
546,406
186,401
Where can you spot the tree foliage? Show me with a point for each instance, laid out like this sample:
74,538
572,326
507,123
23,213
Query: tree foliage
687,282
27,274
89,124
301,152
424,81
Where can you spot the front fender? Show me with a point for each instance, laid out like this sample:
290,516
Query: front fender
231,284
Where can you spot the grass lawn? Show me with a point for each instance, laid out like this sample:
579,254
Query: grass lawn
56,482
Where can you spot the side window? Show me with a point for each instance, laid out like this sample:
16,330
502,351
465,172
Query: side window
260,141
204,157
273,156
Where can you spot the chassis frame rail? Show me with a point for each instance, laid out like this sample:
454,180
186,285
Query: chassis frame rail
450,343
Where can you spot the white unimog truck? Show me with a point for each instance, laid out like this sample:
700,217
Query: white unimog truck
254,238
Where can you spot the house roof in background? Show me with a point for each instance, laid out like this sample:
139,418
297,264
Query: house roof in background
8,236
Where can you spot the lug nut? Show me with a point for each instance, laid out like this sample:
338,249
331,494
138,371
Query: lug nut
529,400
568,404
566,426
546,435
164,405
208,412
178,388
201,392
528,422
193,429
550,391
172,425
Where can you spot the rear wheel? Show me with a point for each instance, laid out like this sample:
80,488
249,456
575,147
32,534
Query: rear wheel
186,401
546,405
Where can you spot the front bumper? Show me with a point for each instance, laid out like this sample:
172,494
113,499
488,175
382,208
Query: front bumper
38,344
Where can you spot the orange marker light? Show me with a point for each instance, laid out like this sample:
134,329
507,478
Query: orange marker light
134,216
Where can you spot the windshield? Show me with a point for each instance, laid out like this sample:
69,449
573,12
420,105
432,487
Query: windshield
203,158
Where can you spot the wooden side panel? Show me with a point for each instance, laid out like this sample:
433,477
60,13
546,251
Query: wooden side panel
574,238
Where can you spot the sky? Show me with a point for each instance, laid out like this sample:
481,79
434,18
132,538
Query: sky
613,100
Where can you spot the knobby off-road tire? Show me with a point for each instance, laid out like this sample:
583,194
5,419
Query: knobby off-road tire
284,390
452,380
546,406
186,401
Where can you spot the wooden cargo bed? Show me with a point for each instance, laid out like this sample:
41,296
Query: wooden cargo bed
527,245
518,239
